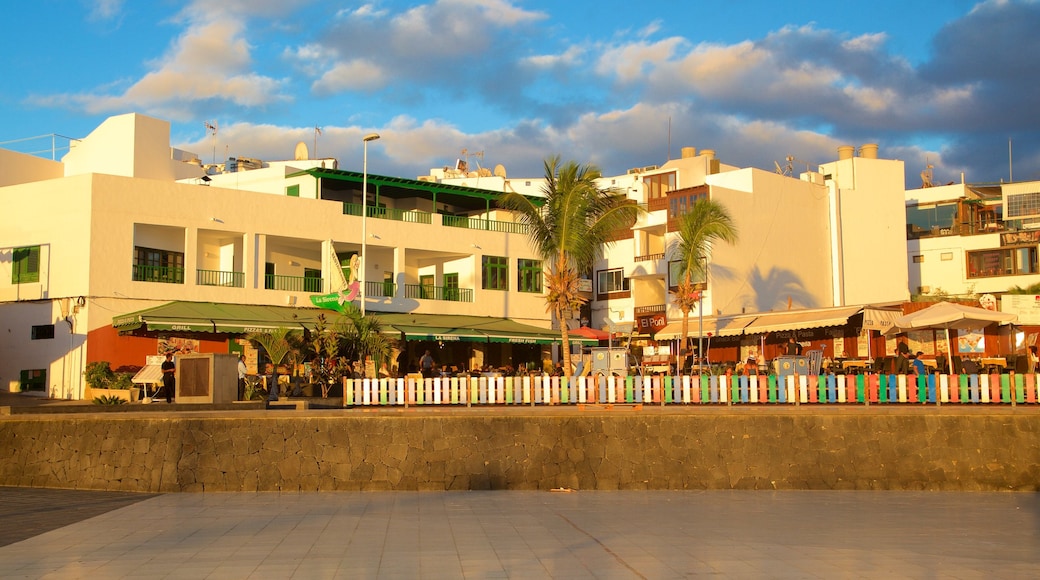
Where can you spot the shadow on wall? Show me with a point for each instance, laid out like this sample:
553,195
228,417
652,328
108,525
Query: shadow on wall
772,291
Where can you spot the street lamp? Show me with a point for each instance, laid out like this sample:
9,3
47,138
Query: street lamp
364,219
700,319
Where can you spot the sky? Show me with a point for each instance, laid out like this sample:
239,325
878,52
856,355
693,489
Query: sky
619,84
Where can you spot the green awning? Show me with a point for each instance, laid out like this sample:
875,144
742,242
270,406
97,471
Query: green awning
441,333
213,317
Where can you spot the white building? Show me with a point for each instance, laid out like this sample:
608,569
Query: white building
126,247
970,240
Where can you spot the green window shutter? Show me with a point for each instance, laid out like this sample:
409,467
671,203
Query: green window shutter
292,191
26,267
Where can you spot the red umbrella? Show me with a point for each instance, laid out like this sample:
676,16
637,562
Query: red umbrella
591,333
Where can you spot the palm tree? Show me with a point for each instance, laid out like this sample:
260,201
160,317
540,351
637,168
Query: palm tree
704,224
569,231
277,343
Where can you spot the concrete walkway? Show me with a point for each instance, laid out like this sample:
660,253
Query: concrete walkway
627,534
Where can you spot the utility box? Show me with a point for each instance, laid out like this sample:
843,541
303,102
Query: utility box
792,365
207,378
610,361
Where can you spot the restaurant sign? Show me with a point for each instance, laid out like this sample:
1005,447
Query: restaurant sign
651,323
1020,238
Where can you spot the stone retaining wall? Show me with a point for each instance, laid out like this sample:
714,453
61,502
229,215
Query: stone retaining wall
872,448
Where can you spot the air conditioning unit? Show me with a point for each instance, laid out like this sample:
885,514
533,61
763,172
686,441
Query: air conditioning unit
429,178
924,289
650,168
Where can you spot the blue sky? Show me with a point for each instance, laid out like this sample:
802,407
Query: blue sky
616,83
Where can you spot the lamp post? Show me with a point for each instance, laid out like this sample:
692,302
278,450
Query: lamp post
700,319
364,219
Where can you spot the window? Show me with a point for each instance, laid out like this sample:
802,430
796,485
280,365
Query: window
918,259
658,186
292,190
529,275
680,204
1002,262
152,265
611,282
939,219
675,278
26,267
42,332
426,282
494,273
451,287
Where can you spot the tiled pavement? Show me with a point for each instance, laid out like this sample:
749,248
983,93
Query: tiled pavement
524,534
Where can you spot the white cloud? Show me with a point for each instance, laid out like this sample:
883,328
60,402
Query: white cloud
356,74
209,62
106,9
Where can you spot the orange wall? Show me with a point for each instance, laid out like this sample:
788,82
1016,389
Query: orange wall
107,344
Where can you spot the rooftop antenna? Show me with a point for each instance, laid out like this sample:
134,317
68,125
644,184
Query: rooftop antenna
1011,174
211,126
927,175
317,131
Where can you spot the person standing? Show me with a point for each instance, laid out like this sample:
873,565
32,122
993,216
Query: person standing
793,348
426,365
241,377
902,357
169,376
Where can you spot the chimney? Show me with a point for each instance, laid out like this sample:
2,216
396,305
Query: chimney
688,152
868,151
845,152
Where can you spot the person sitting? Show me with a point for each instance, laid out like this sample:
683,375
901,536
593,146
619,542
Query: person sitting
917,364
970,367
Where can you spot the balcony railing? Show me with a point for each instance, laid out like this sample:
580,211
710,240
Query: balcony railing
293,283
387,213
454,221
380,289
422,292
220,278
162,274
650,257
651,309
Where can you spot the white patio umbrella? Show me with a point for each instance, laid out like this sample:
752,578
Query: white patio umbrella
947,315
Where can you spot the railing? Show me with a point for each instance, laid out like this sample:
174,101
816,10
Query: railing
453,221
422,292
651,309
385,213
380,289
650,257
1008,389
163,274
220,278
292,283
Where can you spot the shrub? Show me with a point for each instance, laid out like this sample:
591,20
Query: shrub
109,400
99,374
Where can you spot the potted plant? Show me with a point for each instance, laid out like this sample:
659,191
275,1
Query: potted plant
104,382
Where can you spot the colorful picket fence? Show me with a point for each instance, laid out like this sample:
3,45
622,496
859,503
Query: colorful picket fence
866,389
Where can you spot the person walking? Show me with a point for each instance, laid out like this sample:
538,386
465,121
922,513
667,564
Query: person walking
169,376
241,377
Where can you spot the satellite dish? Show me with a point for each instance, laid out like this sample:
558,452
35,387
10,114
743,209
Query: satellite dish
500,171
301,152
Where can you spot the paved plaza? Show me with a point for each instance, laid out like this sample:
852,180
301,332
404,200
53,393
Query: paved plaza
520,534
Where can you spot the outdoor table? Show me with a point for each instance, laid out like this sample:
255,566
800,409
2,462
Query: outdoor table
994,364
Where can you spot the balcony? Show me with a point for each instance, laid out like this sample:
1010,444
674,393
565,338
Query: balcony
161,274
384,213
650,257
220,278
421,292
649,310
453,221
293,283
380,289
